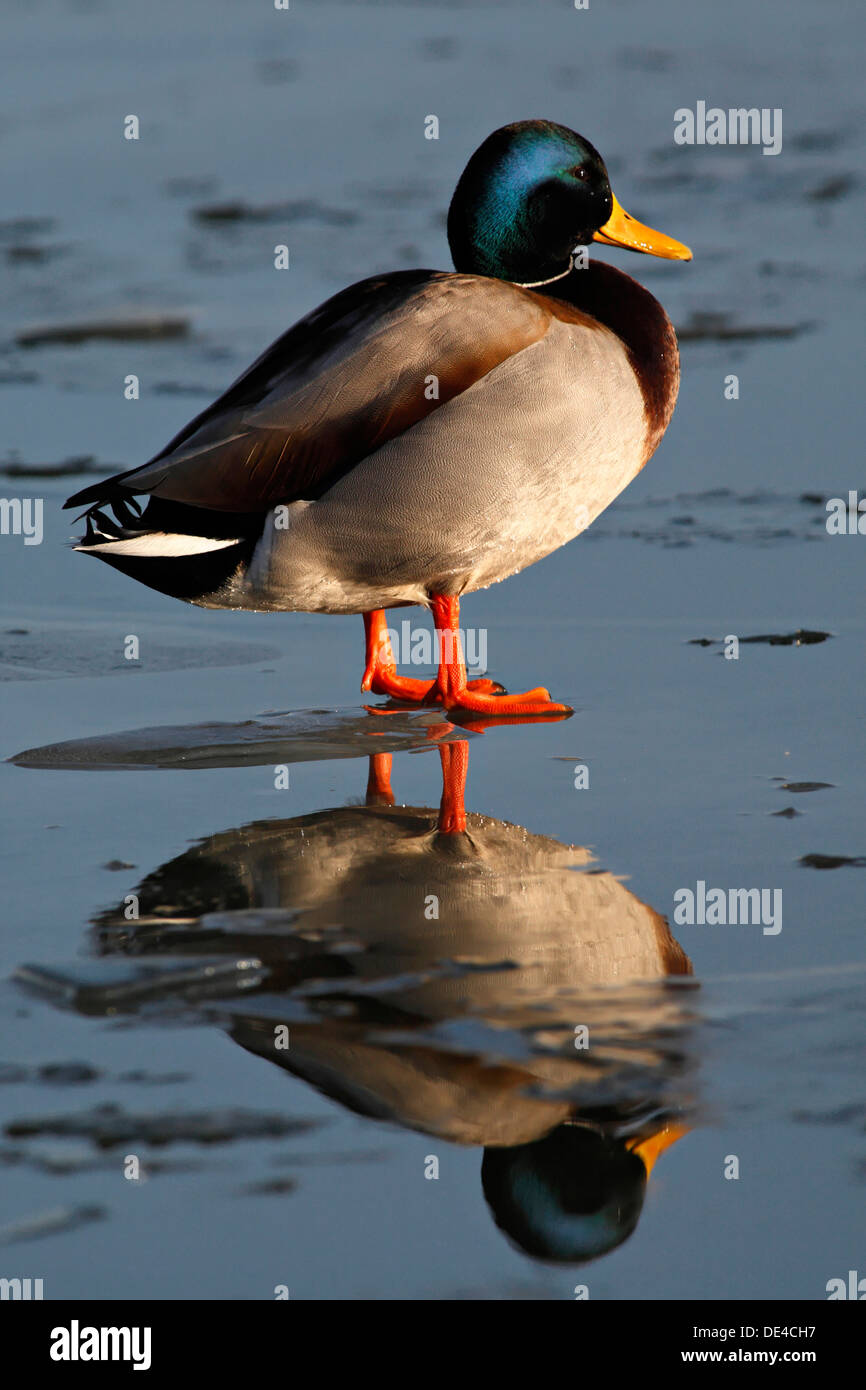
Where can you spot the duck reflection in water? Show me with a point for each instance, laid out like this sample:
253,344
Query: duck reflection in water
456,975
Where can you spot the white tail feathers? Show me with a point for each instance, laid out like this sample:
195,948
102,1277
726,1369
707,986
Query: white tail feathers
155,544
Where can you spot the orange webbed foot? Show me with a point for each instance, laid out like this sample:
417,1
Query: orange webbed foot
533,702
383,680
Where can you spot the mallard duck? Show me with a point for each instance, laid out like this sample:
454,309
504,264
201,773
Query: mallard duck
423,433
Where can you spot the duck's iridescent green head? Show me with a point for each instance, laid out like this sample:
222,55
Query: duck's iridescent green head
529,195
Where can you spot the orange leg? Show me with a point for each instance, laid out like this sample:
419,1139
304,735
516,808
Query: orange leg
451,682
452,810
380,673
379,791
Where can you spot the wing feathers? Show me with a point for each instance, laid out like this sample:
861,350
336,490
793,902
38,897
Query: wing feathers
358,371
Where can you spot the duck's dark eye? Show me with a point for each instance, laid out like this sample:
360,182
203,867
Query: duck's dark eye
579,171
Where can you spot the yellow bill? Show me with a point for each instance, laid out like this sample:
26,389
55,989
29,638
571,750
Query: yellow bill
621,229
648,1150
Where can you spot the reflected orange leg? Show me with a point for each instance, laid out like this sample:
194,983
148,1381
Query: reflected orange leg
380,672
452,810
379,791
451,682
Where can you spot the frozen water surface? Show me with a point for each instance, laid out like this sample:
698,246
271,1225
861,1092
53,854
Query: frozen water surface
286,1035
